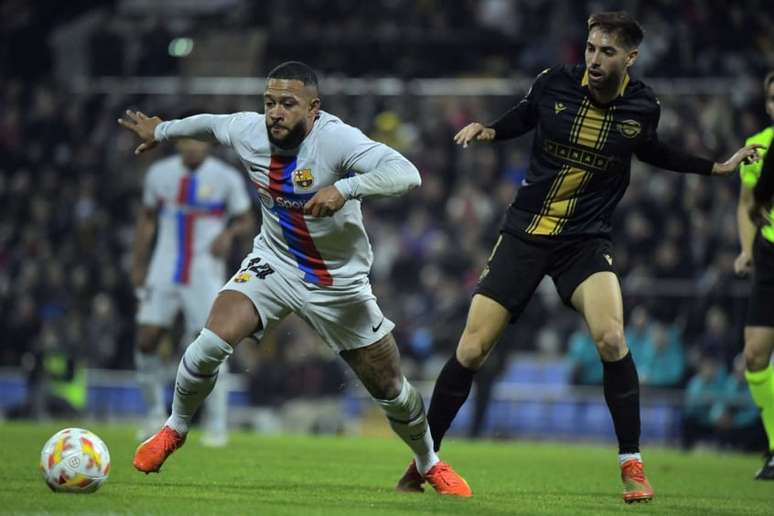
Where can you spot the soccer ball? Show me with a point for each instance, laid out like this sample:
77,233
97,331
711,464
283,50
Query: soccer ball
74,460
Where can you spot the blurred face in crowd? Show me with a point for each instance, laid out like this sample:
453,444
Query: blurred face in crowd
770,100
193,152
607,62
290,108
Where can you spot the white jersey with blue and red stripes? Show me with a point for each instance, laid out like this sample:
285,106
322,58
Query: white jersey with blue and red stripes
322,250
193,209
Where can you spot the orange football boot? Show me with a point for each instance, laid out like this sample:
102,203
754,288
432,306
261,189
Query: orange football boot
152,453
411,481
636,486
446,481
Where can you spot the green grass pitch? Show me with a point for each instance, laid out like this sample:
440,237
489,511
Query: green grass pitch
355,476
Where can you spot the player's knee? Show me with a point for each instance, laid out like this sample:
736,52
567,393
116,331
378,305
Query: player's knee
611,344
233,317
755,357
473,349
389,389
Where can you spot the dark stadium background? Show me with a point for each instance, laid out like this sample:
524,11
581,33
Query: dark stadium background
409,73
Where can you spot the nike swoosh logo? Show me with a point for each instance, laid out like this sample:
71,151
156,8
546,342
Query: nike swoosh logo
376,328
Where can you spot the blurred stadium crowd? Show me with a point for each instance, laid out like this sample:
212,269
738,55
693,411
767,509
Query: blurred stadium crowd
70,187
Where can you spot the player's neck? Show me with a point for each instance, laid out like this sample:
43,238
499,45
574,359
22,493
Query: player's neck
604,96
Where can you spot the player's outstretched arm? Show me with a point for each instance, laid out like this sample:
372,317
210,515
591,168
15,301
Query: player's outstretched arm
143,126
153,130
747,154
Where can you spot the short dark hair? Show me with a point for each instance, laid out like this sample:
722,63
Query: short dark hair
767,82
294,71
621,24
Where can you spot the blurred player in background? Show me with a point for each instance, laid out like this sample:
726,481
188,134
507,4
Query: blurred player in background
756,236
312,256
188,200
588,121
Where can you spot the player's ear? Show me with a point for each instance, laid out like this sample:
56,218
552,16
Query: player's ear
314,105
632,56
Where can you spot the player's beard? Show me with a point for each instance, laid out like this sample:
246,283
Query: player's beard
292,139
612,82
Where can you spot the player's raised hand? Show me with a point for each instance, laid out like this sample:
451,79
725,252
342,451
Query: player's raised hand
748,154
474,131
325,202
143,126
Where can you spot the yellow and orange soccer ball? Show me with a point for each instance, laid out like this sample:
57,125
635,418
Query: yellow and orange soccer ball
75,460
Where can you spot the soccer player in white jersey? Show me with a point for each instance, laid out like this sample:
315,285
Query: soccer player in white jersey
312,256
188,199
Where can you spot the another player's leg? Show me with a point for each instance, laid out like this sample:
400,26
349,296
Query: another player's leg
197,300
486,321
758,346
378,367
598,299
233,317
150,377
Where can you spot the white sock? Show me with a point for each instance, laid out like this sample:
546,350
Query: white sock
406,415
150,370
626,457
196,376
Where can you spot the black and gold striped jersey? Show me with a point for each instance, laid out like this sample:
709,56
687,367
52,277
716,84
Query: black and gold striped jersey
581,153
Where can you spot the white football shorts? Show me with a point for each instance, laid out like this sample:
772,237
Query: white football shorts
160,304
344,317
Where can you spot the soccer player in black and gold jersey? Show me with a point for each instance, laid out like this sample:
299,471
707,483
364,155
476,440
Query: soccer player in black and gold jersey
588,121
755,217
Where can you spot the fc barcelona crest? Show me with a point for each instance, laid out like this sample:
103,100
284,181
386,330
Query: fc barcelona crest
303,178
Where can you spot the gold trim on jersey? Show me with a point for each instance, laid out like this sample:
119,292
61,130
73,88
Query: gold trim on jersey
560,202
591,126
577,155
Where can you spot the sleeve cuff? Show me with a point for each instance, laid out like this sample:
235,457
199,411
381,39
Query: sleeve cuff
158,132
346,187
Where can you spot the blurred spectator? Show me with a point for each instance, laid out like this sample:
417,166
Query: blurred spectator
638,332
735,415
662,361
585,364
701,395
56,379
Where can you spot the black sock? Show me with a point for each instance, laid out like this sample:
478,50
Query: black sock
450,392
622,394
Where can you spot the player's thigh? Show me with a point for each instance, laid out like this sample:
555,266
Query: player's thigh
485,324
598,299
512,274
253,301
157,306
